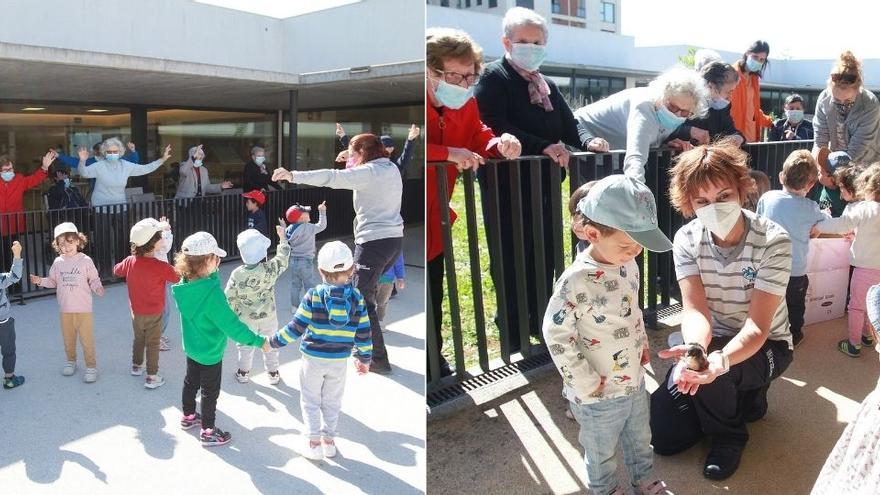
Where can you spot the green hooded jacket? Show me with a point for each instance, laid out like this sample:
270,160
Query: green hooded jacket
207,320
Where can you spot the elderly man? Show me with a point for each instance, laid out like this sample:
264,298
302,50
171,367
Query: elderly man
256,176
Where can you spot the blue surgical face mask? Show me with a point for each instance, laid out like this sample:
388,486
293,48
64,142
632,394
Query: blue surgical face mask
753,65
7,176
67,182
794,116
197,163
453,96
111,156
668,120
719,103
528,55
259,160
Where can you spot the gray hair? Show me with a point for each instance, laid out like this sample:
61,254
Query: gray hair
682,81
255,149
521,16
109,143
704,57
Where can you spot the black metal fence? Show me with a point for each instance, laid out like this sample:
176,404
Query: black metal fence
224,216
503,204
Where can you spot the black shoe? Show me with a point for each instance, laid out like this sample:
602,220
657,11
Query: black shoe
445,370
797,338
382,368
722,461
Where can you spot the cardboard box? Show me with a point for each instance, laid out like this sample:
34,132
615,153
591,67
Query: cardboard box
828,254
826,295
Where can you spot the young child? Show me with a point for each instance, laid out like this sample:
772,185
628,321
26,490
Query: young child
251,294
163,247
827,193
394,277
146,278
206,322
796,214
75,277
594,330
254,201
851,467
845,178
762,185
332,321
862,217
577,219
301,237
7,322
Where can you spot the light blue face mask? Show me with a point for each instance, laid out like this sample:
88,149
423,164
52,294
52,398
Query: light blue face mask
111,156
753,65
719,103
7,176
67,182
794,116
453,96
528,55
668,120
259,160
197,163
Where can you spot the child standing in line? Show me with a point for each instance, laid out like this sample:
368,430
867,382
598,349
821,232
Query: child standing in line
594,331
206,322
75,277
7,322
862,217
395,276
146,278
301,237
332,321
796,214
251,294
163,247
254,201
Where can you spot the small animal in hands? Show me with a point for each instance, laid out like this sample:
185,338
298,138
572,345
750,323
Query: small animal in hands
695,357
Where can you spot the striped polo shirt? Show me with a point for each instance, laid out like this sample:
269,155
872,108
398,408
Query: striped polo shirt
762,260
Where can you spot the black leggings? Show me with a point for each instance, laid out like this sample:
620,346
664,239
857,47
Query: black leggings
207,378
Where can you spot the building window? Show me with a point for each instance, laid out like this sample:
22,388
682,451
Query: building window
479,3
493,4
590,89
467,4
556,6
582,9
607,12
529,4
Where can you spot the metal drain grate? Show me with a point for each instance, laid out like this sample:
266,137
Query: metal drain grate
669,311
446,394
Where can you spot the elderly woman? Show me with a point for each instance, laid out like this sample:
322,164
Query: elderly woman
720,80
638,119
256,176
194,180
454,134
378,233
111,173
733,268
745,101
792,126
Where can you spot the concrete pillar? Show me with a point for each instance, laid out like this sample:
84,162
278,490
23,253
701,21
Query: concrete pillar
292,111
139,137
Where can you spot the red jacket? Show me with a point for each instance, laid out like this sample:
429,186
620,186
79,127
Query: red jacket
460,128
12,200
145,277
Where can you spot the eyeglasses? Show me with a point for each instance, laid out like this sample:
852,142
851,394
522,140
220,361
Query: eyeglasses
844,78
681,112
456,78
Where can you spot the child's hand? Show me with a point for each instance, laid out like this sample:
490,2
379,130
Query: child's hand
362,369
814,232
36,279
850,236
401,284
166,222
16,249
100,291
322,207
280,231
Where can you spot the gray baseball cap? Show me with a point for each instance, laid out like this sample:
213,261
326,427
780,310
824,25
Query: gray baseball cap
626,204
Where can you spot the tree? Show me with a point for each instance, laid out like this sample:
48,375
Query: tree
687,60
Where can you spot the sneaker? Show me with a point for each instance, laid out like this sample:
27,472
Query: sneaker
164,345
12,381
867,341
187,422
569,414
274,377
328,446
797,338
213,437
722,461
91,375
69,368
850,350
313,450
242,376
674,339
154,381
656,487
137,370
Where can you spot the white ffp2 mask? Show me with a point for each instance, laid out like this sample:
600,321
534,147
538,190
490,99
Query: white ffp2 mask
720,218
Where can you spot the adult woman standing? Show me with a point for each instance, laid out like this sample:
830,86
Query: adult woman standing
745,101
111,173
194,179
378,233
256,176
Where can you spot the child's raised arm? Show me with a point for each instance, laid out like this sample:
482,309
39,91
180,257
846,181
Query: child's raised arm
14,273
322,218
281,260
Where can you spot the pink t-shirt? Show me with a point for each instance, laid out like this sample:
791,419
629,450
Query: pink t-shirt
75,277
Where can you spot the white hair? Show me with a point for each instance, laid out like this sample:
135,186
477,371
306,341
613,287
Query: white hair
521,16
255,149
704,57
682,81
109,143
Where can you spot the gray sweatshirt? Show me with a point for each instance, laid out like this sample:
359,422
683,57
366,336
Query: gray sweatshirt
628,121
302,238
377,190
7,279
858,136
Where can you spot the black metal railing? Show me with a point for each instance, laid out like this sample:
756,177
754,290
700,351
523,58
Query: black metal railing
503,203
224,216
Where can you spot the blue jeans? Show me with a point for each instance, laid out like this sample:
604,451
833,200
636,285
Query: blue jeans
602,425
304,276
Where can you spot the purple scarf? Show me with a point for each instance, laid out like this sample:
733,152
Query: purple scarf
539,90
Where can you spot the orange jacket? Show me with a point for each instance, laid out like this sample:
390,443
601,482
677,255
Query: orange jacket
751,130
